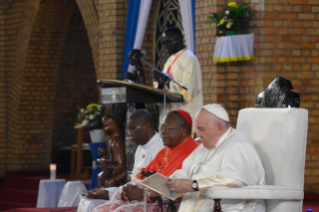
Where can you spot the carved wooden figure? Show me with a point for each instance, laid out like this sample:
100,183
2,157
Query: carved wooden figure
114,171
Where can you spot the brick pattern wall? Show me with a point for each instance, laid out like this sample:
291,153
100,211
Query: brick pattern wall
89,11
3,88
76,84
19,20
38,85
286,43
112,17
149,40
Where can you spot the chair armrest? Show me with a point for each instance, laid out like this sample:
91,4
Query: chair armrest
256,192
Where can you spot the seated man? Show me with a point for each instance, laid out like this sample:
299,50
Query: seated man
176,133
224,159
141,129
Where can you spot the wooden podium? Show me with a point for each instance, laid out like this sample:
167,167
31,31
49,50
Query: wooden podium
117,91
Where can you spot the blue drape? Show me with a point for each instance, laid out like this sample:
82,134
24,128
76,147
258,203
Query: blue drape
94,152
193,14
130,31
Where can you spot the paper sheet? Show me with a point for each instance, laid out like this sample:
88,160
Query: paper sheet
157,182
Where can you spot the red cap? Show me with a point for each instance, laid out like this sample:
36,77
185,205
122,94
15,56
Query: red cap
186,116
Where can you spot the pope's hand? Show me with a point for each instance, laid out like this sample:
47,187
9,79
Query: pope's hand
180,185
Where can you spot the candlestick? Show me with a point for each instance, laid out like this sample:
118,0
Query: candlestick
52,171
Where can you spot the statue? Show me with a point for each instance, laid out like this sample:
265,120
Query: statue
278,94
113,169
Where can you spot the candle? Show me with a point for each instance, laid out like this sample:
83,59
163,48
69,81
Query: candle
52,171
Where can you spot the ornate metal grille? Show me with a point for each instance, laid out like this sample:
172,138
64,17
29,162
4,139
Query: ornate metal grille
168,15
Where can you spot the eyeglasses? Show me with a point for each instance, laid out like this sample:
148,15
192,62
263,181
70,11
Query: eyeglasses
168,42
134,131
168,128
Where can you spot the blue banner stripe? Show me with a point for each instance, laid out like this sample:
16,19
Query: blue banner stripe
130,31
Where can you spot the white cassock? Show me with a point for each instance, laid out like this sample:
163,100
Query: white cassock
232,162
187,71
143,156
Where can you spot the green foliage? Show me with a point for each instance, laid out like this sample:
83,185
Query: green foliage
91,117
233,19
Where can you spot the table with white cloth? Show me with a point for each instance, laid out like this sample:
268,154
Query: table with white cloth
49,193
71,194
234,48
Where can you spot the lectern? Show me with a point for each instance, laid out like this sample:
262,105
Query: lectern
116,91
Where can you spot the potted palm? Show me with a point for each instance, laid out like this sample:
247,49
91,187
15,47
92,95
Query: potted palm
231,20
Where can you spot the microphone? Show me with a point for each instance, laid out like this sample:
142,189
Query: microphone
138,56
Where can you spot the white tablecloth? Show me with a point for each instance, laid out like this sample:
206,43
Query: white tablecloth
49,193
234,48
71,194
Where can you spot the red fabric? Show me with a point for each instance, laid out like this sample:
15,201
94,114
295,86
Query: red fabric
65,209
174,162
186,116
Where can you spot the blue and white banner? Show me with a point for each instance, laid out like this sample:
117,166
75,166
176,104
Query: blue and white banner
137,17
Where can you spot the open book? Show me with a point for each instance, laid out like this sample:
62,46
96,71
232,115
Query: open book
156,182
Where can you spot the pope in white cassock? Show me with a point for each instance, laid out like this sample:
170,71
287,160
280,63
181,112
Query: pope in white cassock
142,132
224,159
183,66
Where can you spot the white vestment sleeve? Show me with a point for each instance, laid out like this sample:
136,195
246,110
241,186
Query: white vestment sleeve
188,77
186,167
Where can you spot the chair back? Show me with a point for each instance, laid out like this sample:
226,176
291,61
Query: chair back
280,138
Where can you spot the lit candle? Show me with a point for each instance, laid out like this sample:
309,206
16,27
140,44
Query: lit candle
52,171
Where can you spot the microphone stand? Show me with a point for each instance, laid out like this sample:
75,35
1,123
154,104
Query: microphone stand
167,78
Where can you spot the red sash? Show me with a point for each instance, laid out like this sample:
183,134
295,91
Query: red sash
170,66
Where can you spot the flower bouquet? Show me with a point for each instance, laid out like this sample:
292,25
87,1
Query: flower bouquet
91,117
232,19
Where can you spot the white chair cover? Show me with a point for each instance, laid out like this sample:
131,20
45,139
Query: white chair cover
280,138
71,194
234,48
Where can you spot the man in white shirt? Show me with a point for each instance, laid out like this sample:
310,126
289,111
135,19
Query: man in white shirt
142,132
183,66
224,159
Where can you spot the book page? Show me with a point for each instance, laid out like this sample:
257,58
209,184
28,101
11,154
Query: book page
157,182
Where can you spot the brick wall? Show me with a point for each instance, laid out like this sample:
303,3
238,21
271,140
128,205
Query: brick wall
89,11
19,19
286,43
32,131
3,88
76,84
112,18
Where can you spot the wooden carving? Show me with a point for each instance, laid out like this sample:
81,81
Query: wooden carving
113,168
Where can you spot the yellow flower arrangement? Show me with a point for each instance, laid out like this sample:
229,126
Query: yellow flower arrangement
91,117
232,19
232,4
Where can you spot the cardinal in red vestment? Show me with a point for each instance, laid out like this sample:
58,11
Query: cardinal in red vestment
176,131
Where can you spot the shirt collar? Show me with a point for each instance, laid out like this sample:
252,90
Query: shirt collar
151,141
222,138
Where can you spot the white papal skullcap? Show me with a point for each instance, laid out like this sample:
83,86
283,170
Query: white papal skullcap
217,110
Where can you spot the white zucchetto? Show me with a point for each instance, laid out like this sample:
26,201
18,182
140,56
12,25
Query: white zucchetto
217,110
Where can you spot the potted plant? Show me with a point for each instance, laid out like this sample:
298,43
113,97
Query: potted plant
91,120
230,21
